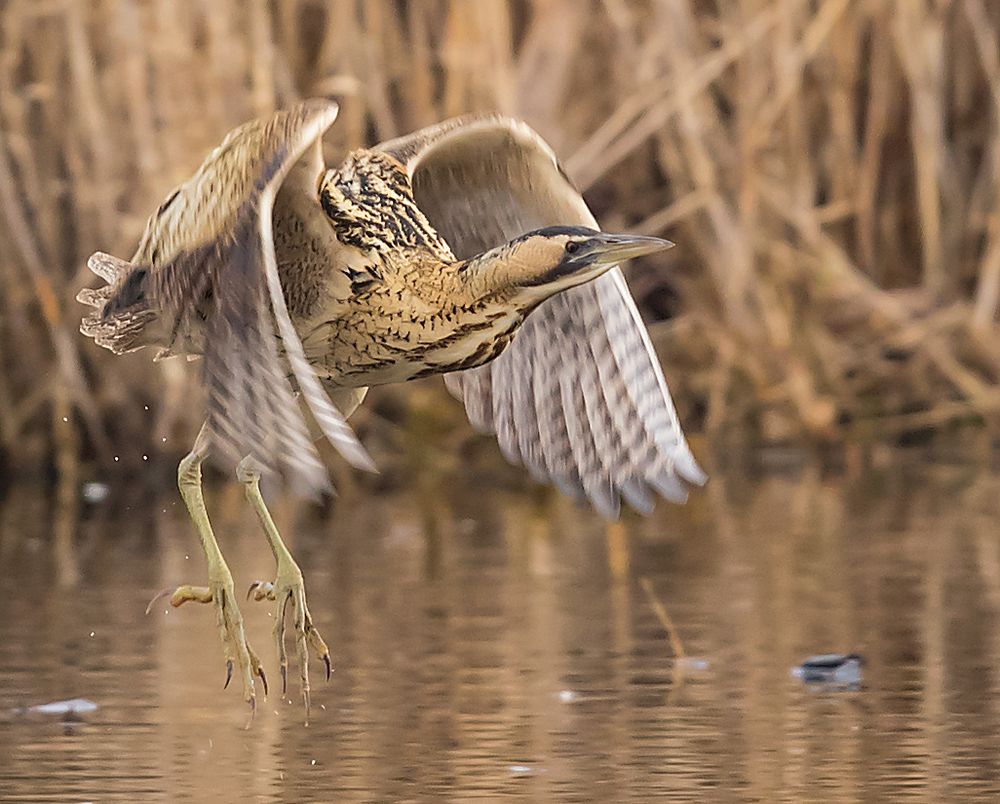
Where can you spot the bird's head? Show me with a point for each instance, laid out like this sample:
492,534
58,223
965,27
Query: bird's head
544,262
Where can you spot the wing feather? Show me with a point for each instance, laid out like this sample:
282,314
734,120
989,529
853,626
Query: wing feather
579,396
213,276
552,426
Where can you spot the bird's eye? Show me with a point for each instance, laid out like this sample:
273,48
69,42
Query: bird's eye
572,247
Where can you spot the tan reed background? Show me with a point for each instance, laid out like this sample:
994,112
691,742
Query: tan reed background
829,169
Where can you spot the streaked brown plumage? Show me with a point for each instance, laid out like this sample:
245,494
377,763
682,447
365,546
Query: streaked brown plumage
461,249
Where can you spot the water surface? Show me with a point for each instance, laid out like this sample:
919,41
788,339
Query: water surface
490,643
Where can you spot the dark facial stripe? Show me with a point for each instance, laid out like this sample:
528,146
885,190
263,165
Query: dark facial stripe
556,231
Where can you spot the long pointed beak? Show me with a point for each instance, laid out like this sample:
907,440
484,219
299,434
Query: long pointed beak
608,249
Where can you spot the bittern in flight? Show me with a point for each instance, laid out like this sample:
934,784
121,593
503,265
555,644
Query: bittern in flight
461,250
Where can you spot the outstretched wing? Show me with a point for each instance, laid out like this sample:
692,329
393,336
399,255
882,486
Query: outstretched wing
579,396
213,279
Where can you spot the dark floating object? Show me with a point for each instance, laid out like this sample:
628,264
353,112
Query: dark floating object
831,669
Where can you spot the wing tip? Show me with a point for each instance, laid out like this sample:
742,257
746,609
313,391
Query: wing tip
360,458
610,508
319,111
108,267
687,467
637,494
312,484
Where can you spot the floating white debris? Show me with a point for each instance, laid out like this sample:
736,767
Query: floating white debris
567,696
520,769
95,492
68,709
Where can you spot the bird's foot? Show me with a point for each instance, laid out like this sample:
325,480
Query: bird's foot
239,654
288,587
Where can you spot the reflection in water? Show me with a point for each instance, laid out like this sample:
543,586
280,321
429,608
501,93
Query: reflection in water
488,644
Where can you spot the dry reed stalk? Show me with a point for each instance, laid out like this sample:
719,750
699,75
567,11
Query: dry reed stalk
831,171
661,614
66,514
988,49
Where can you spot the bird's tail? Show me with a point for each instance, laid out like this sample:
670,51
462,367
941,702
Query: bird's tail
122,312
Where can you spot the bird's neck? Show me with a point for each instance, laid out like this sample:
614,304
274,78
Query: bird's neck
499,276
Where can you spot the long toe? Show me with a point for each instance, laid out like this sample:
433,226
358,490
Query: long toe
233,636
289,596
241,660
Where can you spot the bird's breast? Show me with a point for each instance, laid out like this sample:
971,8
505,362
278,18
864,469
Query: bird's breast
364,348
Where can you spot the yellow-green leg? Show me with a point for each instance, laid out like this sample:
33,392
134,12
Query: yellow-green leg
220,591
287,587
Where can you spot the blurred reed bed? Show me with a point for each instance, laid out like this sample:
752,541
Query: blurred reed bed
829,168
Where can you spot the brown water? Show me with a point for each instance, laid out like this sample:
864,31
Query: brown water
489,644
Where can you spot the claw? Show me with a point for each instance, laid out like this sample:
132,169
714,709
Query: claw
288,589
261,590
253,711
229,673
263,679
158,596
